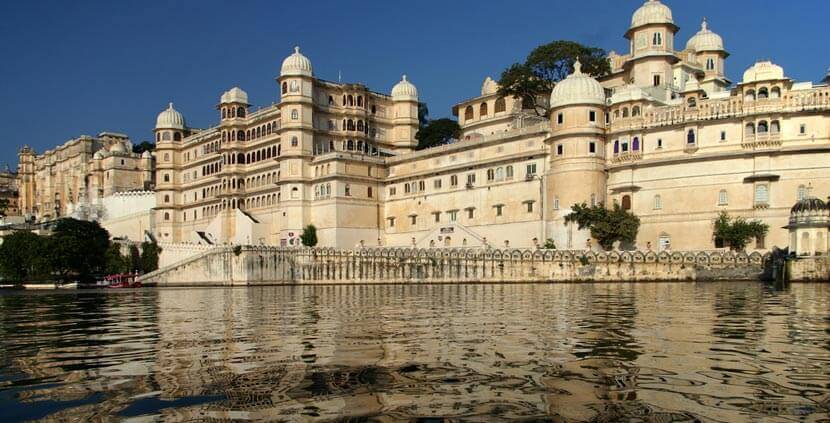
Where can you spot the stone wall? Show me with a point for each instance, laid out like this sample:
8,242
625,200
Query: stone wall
272,265
809,269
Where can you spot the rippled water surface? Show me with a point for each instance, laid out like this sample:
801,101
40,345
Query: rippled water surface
583,352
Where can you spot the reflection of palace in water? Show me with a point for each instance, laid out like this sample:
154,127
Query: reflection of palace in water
574,352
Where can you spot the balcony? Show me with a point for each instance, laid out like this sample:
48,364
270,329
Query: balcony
627,156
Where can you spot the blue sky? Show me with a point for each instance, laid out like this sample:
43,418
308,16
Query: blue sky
82,67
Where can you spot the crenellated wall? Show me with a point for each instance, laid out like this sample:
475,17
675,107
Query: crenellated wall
270,265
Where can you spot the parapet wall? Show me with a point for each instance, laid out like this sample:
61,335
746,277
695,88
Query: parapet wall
272,265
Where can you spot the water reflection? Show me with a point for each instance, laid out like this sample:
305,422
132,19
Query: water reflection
592,352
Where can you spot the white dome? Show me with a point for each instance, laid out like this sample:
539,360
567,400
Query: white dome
146,155
404,90
98,155
296,65
652,12
705,40
577,88
763,71
489,86
170,119
234,95
118,147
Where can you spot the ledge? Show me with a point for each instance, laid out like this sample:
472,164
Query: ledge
762,177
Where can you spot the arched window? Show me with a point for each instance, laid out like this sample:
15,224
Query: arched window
166,177
763,93
657,39
240,135
692,102
750,129
166,216
690,137
360,101
350,145
750,95
635,111
802,193
350,100
625,112
165,136
775,93
635,145
617,147
295,114
658,202
224,113
331,101
166,198
763,128
710,64
294,141
775,127
501,106
468,113
626,202
508,171
284,87
482,110
360,125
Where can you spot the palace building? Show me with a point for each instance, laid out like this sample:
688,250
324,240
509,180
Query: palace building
666,135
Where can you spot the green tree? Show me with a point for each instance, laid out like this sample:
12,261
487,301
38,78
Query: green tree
606,226
437,132
78,248
143,146
22,257
309,236
533,80
116,262
150,252
134,258
423,114
738,231
550,244
4,206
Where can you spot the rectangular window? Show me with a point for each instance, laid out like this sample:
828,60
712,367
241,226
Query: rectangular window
659,143
723,135
556,203
369,192
391,222
802,129
592,116
471,179
471,212
592,147
413,219
560,118
454,180
498,208
453,215
761,195
393,191
436,183
560,149
422,186
531,169
529,206
437,216
656,80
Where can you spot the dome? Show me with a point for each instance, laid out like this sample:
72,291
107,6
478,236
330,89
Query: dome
577,88
170,119
118,147
705,40
652,12
489,86
146,155
404,90
98,155
810,204
234,95
296,65
763,71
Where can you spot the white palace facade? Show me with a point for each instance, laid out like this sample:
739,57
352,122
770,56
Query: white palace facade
666,135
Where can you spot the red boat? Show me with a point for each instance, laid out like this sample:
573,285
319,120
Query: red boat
122,280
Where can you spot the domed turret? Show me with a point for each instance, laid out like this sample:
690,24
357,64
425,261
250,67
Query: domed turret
705,40
118,147
652,12
810,205
170,119
98,155
296,65
404,90
489,86
234,95
763,71
577,88
146,155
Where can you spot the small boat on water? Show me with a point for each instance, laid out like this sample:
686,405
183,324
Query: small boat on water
121,280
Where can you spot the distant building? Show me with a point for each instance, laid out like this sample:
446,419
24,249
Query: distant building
9,192
666,135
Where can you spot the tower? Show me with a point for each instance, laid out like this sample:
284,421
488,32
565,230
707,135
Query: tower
169,132
651,40
26,181
577,152
709,52
405,99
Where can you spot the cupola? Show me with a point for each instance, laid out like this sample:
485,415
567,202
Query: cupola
296,65
577,88
705,40
404,90
170,119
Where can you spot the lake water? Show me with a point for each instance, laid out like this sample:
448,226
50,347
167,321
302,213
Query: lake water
566,352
